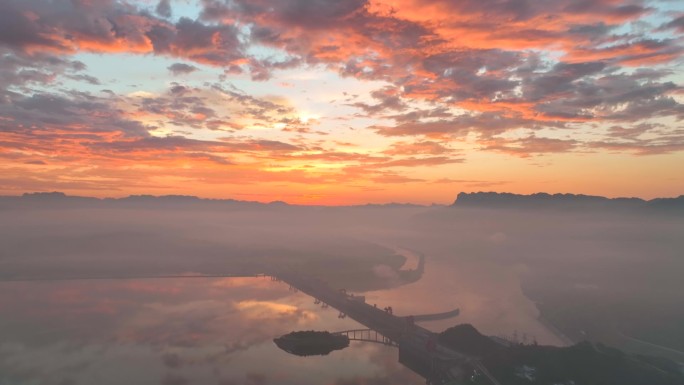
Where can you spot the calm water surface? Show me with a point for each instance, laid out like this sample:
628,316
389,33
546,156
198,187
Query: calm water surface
175,332
220,331
489,297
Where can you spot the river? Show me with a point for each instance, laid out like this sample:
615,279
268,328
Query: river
175,332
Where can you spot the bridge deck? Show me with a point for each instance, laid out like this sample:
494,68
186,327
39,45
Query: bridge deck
389,325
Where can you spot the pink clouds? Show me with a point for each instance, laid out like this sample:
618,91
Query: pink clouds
466,72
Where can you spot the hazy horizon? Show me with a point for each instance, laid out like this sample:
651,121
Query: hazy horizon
58,194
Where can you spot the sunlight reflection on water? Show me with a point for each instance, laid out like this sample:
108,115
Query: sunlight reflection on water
174,331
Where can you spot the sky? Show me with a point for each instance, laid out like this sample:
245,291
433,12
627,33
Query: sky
342,102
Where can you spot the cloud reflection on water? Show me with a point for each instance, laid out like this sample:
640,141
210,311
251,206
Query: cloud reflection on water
173,331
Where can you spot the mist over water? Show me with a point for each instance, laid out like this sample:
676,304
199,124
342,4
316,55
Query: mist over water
550,276
173,331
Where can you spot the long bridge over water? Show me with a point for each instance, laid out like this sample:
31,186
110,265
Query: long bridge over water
419,348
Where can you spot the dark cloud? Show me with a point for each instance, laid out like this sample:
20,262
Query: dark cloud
676,24
437,112
164,8
632,132
606,8
216,107
503,87
590,31
272,145
85,78
210,44
611,96
422,161
54,113
437,128
559,79
641,147
524,10
642,139
64,26
181,68
530,145
388,98
418,147
261,70
487,124
310,14
170,147
181,107
21,72
474,67
36,162
471,74
636,52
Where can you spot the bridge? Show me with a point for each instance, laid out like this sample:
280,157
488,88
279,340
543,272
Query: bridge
419,348
355,308
368,335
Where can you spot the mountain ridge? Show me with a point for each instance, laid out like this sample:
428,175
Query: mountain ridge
569,201
463,200
60,199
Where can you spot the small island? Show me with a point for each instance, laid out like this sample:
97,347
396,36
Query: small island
311,343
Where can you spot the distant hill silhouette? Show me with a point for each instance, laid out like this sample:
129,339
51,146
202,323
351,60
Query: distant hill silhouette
57,199
562,201
479,200
61,200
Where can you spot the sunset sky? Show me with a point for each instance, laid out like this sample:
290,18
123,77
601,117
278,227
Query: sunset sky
342,102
